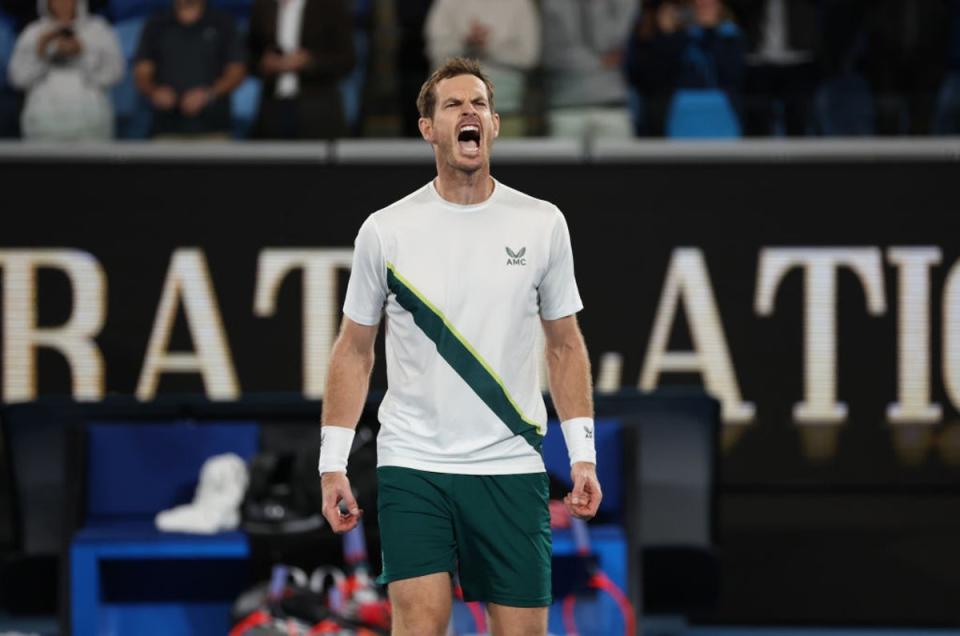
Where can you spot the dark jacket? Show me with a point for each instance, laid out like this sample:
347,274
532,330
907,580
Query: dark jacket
326,32
803,33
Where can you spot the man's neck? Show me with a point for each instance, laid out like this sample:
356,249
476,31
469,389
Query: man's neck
464,188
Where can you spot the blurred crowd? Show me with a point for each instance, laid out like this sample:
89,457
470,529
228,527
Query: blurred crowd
325,69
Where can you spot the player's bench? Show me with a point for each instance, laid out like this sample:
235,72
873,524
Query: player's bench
126,577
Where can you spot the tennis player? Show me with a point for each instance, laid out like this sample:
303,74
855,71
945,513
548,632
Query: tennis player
466,271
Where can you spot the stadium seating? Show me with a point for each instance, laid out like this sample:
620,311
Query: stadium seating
701,114
8,38
131,111
843,106
947,119
120,10
244,103
8,99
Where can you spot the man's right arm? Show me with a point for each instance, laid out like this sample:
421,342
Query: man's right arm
348,379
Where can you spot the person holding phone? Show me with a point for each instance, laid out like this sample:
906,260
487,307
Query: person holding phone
66,61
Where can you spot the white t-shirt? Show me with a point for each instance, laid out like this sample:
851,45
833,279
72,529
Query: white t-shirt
463,288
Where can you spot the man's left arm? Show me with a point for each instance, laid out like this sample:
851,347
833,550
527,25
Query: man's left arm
568,367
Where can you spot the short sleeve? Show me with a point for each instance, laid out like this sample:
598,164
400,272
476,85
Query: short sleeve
559,296
149,46
367,289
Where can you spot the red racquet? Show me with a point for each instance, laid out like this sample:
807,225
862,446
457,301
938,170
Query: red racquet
597,580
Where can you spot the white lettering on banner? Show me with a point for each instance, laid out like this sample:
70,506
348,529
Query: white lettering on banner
73,339
688,282
687,285
188,279
913,336
610,373
820,405
951,335
321,307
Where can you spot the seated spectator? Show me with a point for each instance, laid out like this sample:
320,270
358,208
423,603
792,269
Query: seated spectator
301,49
65,61
189,61
583,47
504,35
782,67
684,44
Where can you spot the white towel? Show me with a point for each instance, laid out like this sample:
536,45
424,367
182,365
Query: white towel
216,504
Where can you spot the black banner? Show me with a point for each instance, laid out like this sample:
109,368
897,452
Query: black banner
815,300
819,301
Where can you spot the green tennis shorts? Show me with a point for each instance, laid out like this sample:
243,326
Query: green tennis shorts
494,530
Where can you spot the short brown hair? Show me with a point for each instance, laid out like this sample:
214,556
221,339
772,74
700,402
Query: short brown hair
453,67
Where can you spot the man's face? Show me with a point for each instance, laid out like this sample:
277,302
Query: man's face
707,12
188,11
63,10
463,125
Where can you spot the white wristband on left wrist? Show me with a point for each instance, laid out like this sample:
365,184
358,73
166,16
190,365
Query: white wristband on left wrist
578,434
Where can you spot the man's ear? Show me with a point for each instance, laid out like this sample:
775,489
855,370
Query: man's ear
496,125
426,129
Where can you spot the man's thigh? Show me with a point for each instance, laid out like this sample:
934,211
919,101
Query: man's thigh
503,538
517,621
416,524
421,605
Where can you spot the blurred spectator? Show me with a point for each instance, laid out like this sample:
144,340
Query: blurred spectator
189,61
412,64
782,67
685,45
504,35
907,54
65,61
583,47
301,48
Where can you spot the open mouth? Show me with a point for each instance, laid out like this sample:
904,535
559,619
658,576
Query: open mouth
469,139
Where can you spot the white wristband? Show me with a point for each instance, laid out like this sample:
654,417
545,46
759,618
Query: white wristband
578,434
335,444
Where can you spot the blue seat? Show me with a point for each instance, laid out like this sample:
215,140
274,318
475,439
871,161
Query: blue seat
8,38
131,110
127,577
843,106
947,117
120,10
239,9
244,103
701,114
9,106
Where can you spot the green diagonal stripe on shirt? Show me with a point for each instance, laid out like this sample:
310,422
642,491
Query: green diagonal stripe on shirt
463,358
